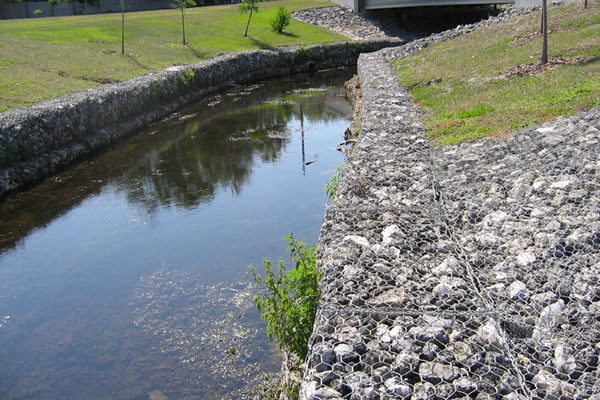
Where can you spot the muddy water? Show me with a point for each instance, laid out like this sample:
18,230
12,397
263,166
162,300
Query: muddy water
125,277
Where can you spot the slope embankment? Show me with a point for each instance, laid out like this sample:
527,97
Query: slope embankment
460,271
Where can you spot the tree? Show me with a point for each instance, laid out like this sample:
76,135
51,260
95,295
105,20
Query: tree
544,58
52,4
122,26
248,5
281,19
182,5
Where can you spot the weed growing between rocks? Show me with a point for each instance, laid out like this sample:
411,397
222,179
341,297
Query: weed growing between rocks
186,79
332,186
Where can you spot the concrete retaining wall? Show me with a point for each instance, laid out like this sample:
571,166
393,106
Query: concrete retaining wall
37,141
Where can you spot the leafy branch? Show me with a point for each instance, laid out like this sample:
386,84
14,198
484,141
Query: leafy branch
331,187
290,304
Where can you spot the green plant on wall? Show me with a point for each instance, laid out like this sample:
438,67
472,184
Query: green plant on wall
331,187
290,303
185,80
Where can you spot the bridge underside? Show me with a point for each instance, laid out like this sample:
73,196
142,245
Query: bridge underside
379,4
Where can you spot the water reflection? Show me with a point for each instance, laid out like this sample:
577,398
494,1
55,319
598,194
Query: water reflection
199,151
126,275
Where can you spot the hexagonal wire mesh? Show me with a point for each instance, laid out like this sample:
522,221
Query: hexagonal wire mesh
469,271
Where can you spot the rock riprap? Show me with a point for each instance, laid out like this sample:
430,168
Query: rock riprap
465,271
344,21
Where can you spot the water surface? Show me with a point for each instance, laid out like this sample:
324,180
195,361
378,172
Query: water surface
125,277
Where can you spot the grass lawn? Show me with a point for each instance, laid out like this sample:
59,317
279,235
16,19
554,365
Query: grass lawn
46,57
482,83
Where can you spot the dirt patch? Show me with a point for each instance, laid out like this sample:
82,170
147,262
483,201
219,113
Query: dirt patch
354,97
532,35
424,83
100,80
539,68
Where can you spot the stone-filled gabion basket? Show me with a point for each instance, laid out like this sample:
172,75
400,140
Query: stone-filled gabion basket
466,271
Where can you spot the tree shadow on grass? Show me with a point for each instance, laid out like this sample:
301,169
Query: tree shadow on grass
260,44
197,54
190,46
133,58
289,34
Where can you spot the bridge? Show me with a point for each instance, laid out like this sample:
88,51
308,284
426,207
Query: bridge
362,5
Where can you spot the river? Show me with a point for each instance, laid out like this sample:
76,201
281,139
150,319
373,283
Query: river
125,277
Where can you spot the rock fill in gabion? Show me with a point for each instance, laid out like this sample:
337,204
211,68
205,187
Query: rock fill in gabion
466,271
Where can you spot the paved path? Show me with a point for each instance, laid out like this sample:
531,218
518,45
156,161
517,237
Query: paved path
460,271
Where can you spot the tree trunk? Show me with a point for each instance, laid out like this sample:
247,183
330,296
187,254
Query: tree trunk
544,58
122,26
248,24
183,23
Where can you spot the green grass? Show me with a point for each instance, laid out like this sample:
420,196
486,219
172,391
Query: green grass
458,84
45,57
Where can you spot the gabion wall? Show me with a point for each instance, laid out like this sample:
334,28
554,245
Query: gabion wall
39,140
466,271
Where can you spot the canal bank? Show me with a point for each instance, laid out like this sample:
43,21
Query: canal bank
125,277
37,141
458,271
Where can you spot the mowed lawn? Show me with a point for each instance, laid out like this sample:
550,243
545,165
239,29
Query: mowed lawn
46,57
489,83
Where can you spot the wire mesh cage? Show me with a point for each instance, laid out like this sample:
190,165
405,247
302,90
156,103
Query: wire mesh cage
469,271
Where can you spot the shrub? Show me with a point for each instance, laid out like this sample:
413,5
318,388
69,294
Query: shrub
281,19
290,304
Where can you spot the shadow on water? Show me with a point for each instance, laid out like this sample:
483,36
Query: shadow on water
125,277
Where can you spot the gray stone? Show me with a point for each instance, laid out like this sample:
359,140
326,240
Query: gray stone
397,387
517,289
489,333
547,320
525,258
358,380
434,372
391,298
423,391
564,359
462,351
465,385
555,388
326,393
